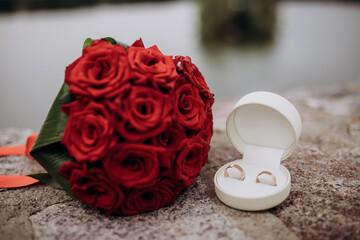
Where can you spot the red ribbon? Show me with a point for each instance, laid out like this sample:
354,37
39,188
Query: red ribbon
13,181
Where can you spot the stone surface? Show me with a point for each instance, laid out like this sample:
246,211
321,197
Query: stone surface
324,201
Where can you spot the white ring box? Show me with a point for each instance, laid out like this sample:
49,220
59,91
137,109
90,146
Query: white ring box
265,128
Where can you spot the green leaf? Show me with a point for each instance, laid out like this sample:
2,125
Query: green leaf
67,98
111,40
87,42
48,150
45,178
52,129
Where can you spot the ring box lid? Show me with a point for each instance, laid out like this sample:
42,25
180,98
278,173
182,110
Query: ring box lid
264,119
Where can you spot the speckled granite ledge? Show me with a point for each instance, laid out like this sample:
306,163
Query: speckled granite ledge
324,201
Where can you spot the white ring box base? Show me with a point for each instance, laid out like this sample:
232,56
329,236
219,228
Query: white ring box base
265,127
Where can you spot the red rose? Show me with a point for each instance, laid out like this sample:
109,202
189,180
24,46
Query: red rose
92,187
190,159
99,72
170,138
89,132
150,67
142,112
189,107
205,139
133,165
193,75
138,43
169,141
152,198
207,131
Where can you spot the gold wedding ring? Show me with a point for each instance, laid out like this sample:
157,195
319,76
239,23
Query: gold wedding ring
267,173
241,170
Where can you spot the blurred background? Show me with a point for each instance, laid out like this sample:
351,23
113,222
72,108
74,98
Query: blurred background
239,45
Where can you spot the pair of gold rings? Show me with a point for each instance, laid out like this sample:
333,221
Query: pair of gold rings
241,170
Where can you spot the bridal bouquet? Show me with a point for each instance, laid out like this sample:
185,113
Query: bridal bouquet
129,129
